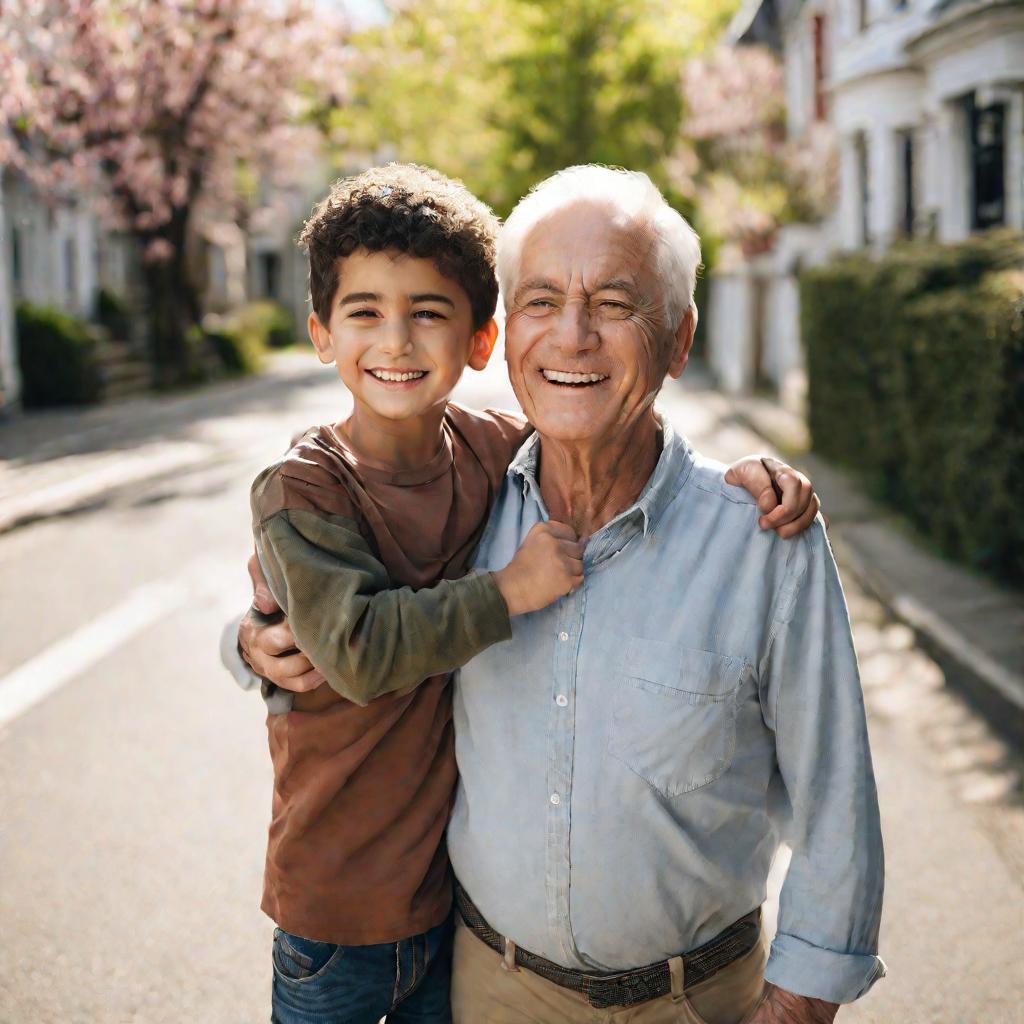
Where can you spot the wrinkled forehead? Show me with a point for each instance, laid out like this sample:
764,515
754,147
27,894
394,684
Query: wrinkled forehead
587,243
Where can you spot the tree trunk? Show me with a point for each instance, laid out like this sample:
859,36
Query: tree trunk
173,306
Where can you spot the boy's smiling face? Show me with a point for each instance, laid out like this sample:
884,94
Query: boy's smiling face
400,334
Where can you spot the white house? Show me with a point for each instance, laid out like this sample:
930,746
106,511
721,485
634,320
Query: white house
53,248
260,259
926,99
60,254
277,267
50,255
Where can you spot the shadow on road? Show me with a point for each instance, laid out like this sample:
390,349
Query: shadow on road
36,437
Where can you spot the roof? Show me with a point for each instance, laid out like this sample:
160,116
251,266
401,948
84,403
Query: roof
756,22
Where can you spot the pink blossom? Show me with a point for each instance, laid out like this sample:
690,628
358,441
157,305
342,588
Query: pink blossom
159,250
735,162
155,104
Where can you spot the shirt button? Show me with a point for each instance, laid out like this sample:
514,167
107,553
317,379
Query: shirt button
556,799
563,637
562,701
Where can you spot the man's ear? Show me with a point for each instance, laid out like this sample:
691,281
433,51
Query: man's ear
682,343
321,338
483,345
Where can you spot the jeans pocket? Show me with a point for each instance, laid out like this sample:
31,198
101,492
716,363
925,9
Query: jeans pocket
302,960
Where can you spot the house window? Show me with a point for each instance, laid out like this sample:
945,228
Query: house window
905,155
863,185
899,5
17,264
819,68
987,127
270,274
70,268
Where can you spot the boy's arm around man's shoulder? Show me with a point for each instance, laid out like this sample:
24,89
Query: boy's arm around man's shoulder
366,637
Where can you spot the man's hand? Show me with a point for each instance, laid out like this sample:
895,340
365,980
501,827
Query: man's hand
268,644
785,497
547,566
782,1007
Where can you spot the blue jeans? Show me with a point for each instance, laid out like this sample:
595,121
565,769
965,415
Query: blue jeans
321,983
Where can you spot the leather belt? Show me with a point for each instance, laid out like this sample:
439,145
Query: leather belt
628,987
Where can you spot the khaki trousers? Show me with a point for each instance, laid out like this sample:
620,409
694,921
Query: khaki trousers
483,992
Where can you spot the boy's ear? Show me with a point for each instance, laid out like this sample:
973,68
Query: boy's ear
321,338
483,345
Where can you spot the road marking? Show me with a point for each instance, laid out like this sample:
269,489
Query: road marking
40,676
69,657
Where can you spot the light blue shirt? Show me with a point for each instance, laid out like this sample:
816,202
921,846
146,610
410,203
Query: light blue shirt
632,757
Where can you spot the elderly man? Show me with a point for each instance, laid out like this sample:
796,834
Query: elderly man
631,759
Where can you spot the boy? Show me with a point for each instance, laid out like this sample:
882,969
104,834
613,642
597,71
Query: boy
354,528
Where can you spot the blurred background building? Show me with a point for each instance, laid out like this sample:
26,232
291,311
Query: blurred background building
926,102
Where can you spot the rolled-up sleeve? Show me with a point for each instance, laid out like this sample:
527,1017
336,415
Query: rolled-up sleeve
831,901
231,657
278,701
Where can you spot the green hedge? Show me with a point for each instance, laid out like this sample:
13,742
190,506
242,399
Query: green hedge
112,312
272,321
916,374
241,338
57,358
239,347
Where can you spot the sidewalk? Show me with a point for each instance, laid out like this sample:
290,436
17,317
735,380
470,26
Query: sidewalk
971,626
54,463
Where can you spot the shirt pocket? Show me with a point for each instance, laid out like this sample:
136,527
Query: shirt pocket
674,714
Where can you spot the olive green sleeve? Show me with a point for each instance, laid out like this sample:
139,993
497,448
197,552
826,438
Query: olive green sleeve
366,637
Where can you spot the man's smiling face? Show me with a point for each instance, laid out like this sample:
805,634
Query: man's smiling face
586,337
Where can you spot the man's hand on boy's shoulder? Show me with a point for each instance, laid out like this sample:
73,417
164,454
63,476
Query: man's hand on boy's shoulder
267,642
785,497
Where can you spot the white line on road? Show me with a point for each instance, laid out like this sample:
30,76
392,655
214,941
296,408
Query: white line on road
40,676
69,657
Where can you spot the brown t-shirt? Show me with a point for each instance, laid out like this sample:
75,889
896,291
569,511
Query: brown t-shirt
363,783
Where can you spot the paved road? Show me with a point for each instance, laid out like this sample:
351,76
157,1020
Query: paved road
135,795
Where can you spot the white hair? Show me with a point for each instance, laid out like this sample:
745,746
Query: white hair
629,192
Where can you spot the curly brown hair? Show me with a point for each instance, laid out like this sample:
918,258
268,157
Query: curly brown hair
415,210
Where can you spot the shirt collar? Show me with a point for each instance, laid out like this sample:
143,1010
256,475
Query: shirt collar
672,469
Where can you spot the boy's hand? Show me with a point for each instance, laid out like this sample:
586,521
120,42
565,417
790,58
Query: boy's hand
785,497
267,642
547,566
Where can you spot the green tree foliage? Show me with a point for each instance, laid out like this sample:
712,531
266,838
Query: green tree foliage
420,87
503,93
588,81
